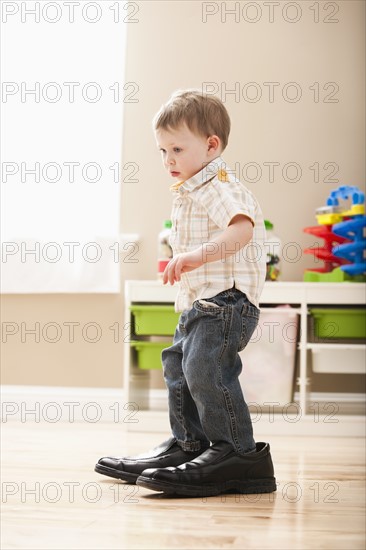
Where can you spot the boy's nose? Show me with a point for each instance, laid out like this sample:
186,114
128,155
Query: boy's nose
169,160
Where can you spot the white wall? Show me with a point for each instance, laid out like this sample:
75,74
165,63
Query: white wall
171,47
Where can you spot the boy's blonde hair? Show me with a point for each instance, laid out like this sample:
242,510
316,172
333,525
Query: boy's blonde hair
203,113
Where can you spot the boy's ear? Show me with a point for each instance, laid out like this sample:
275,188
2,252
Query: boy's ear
213,143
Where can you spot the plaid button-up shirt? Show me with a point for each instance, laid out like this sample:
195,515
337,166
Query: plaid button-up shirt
203,207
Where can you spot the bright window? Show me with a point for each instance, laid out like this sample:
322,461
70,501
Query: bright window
62,115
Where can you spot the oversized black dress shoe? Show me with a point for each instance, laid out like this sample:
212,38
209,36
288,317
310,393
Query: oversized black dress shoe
218,470
129,468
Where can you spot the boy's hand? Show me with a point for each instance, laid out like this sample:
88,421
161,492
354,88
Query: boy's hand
181,263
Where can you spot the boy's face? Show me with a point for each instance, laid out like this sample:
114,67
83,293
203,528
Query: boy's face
185,153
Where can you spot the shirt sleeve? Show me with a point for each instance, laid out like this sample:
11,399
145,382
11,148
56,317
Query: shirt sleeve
223,200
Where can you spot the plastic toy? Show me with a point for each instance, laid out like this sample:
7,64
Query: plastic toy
344,248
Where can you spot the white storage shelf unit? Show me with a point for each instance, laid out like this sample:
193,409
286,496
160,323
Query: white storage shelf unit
326,357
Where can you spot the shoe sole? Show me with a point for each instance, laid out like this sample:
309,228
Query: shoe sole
116,474
242,487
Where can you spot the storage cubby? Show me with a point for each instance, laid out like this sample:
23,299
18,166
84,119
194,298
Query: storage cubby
330,345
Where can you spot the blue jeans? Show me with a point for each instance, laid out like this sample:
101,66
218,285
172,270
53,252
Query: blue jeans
201,370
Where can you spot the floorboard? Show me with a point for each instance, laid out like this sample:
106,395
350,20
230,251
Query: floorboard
52,498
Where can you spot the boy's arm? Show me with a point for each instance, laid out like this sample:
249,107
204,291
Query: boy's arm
237,234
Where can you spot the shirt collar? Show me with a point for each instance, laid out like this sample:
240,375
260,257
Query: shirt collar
207,173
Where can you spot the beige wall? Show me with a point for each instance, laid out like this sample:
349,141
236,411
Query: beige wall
171,47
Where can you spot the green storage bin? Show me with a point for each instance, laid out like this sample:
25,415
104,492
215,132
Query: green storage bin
339,323
155,319
149,353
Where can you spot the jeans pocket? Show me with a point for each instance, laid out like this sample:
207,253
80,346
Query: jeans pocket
209,305
205,303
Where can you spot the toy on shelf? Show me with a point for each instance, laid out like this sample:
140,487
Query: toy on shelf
343,251
325,252
273,246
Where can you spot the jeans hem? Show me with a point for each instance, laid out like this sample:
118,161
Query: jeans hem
191,446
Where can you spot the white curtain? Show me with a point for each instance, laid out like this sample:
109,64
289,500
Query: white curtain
63,92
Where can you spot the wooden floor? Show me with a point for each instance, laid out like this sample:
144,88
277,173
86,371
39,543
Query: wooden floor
52,498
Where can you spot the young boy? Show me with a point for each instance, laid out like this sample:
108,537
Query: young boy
220,262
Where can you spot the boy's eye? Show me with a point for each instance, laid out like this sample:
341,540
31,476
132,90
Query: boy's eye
175,149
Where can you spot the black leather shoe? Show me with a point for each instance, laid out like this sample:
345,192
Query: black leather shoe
218,470
130,467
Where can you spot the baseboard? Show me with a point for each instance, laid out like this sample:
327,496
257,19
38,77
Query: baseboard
58,404
72,404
